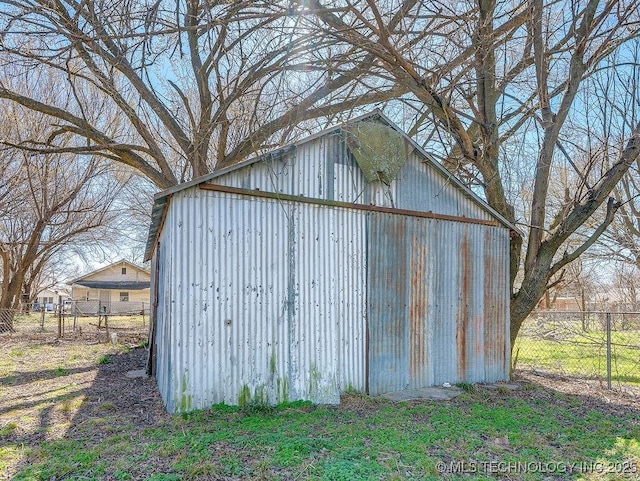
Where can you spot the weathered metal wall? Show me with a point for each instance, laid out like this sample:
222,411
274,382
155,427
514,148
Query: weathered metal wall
262,301
438,302
266,300
323,168
425,188
320,168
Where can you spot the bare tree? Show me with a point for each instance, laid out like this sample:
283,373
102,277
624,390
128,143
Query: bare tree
503,92
54,205
50,203
621,242
172,89
508,90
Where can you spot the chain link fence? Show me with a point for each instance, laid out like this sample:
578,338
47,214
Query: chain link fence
599,346
6,320
86,319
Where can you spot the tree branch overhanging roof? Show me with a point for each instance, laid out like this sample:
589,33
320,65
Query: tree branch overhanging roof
161,199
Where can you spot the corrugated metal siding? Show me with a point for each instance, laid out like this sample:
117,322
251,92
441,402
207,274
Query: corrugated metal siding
163,338
273,175
327,353
322,169
348,183
438,302
265,299
387,313
419,186
255,300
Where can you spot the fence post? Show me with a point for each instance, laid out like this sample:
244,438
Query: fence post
608,326
42,319
60,318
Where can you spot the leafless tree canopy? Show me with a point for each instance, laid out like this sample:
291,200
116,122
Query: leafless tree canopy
47,203
170,88
513,94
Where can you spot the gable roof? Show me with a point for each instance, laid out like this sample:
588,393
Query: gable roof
161,198
117,263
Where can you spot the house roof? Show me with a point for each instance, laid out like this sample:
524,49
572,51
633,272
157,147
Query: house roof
117,263
118,285
162,197
55,290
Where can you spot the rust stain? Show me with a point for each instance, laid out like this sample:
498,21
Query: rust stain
417,308
489,303
463,311
477,328
387,296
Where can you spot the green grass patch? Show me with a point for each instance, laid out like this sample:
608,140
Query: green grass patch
104,360
7,429
363,439
93,435
582,354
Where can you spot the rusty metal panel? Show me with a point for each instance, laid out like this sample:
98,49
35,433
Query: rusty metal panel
449,282
496,294
420,301
263,301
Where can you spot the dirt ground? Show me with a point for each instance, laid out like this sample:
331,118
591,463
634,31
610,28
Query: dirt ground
621,398
54,388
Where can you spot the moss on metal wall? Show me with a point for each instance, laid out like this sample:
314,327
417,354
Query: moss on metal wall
379,150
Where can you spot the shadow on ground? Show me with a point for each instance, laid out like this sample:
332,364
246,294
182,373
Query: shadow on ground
94,422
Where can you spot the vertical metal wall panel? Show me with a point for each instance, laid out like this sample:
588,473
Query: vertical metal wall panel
268,176
389,271
346,182
430,285
228,308
327,352
266,300
256,301
497,354
446,267
382,195
423,188
309,171
162,324
321,168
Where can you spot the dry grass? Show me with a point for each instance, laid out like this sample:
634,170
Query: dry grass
44,380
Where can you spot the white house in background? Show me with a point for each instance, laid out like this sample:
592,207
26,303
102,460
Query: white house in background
121,287
49,298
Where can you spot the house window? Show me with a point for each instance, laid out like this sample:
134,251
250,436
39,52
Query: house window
124,271
124,297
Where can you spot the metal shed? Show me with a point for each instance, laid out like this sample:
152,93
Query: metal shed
348,260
